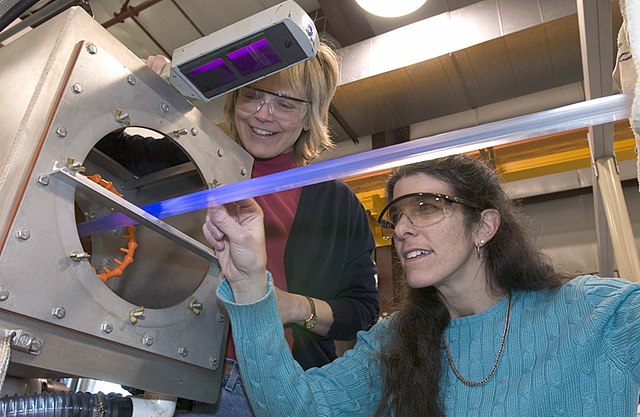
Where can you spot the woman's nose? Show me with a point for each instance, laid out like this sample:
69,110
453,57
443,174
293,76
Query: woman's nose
403,225
263,111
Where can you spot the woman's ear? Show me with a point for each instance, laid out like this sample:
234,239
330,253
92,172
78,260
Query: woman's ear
487,226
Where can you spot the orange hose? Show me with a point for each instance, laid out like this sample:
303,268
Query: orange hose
132,245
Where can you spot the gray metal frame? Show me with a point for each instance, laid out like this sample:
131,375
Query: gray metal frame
66,85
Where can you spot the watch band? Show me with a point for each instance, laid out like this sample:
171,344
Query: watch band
312,320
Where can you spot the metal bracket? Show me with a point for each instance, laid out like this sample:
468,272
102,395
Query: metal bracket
594,164
69,176
24,341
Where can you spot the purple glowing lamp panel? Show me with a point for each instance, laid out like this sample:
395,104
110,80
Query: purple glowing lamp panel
247,60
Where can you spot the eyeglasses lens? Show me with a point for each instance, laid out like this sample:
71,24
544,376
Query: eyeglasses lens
285,109
421,211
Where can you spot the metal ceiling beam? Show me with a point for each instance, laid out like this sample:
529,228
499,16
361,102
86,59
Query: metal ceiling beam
128,11
589,25
346,21
596,44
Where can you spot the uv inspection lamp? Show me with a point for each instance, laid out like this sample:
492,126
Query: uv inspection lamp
243,52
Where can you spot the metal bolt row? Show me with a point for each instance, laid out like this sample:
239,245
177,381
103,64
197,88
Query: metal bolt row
44,180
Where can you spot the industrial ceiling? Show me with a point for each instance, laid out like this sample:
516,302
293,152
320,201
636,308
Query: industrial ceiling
464,54
451,64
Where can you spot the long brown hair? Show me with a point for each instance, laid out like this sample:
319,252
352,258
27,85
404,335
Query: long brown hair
411,360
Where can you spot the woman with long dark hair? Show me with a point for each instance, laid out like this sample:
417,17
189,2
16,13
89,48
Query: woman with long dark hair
487,327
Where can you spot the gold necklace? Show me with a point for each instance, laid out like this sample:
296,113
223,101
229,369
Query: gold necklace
495,364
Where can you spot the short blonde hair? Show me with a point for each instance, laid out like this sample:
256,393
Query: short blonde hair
318,77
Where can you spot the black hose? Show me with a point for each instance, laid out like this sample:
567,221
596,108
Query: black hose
15,12
79,404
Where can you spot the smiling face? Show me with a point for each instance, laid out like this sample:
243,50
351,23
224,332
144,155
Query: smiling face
441,254
262,135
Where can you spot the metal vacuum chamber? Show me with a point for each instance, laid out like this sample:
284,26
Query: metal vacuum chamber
157,327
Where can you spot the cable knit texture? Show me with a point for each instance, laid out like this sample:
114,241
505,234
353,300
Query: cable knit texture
574,351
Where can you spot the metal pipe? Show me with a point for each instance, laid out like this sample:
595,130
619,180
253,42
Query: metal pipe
624,244
153,39
128,11
14,12
42,15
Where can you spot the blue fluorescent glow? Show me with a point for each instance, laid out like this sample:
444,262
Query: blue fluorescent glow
580,115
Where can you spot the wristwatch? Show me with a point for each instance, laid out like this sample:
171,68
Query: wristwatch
310,322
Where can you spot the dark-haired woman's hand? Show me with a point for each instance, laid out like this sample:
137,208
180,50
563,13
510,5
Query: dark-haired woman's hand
236,232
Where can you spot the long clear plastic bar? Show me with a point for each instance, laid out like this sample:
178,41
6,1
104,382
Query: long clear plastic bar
579,115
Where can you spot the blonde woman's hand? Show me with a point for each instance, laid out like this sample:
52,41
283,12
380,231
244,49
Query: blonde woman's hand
157,63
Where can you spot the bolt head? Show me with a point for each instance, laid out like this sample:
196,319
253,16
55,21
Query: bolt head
44,180
25,340
106,327
59,312
213,361
36,345
61,131
23,234
92,49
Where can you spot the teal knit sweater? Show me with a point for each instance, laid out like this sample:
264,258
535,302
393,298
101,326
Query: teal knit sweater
574,351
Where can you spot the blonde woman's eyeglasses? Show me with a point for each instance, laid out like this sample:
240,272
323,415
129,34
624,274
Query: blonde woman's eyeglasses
281,106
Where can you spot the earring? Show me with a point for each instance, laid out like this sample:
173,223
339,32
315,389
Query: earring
478,246
305,128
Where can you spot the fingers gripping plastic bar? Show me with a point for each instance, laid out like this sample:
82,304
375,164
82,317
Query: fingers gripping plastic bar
580,115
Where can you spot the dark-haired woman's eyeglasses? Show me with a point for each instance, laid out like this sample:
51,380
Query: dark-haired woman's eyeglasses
421,209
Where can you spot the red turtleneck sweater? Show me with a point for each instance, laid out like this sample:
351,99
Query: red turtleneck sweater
279,211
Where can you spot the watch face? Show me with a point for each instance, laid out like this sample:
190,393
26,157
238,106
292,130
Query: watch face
311,323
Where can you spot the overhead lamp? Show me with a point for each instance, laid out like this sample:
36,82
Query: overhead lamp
386,8
244,52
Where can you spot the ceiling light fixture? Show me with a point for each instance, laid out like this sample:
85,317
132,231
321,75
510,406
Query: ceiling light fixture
387,8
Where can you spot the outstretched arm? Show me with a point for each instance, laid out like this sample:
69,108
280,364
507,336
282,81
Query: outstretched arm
275,383
278,386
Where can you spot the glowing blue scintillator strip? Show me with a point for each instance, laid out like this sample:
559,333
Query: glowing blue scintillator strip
587,113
